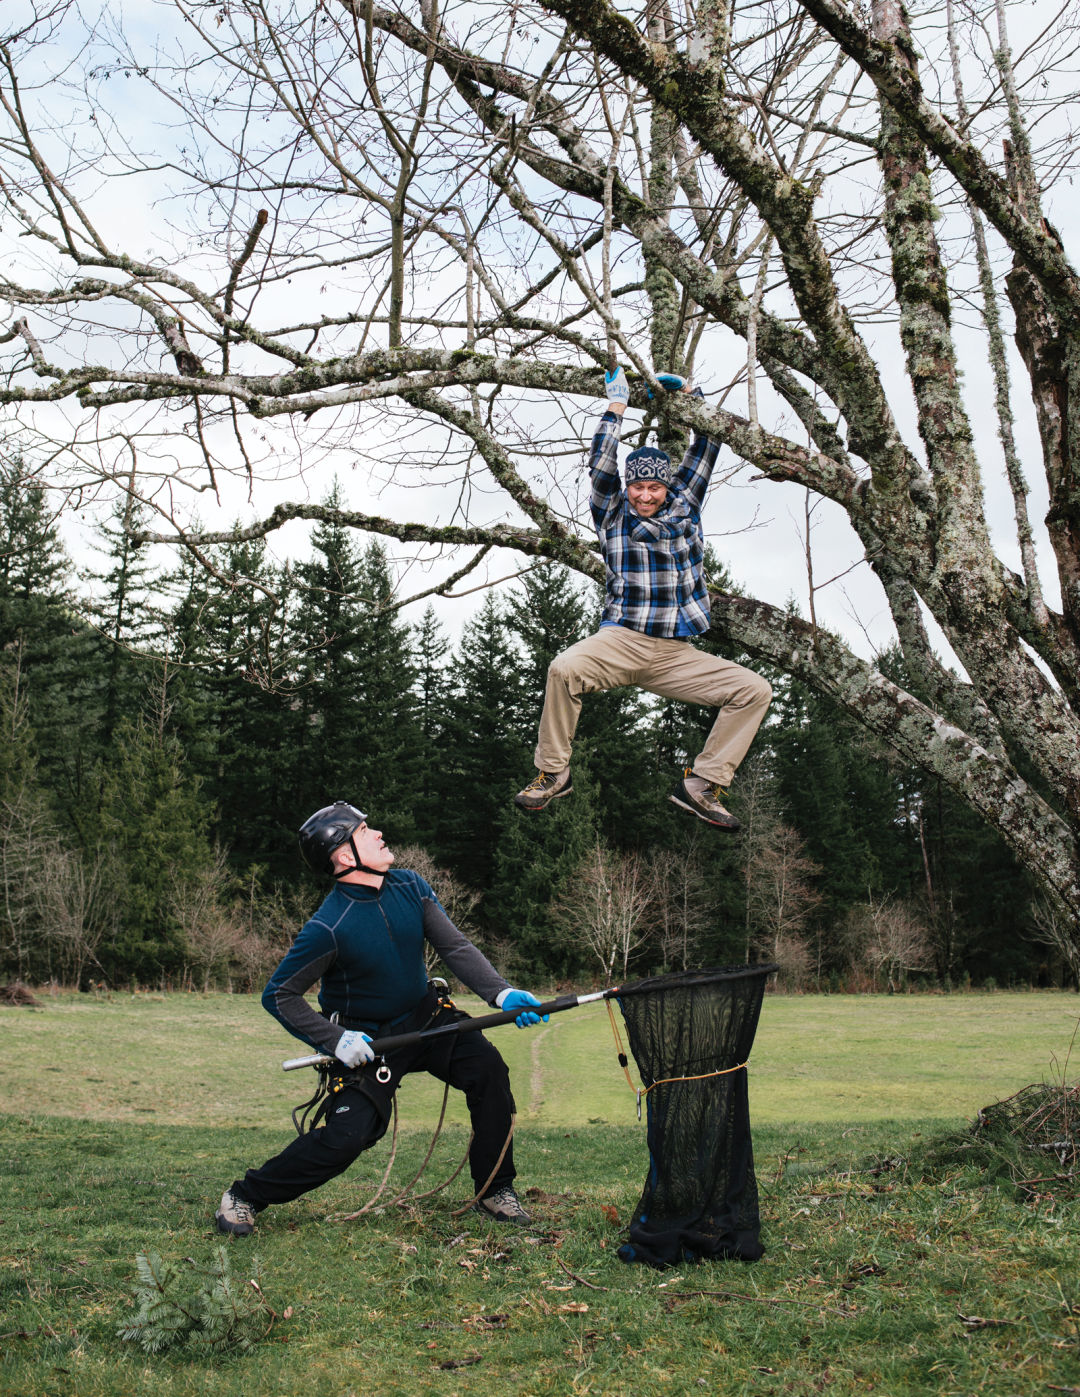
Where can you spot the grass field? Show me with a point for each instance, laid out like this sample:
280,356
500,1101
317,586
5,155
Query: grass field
194,1059
885,1271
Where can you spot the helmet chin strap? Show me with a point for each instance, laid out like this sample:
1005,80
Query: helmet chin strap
358,866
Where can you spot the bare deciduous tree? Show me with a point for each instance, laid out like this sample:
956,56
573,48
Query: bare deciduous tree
680,912
605,908
199,904
1054,928
76,909
412,236
889,938
781,899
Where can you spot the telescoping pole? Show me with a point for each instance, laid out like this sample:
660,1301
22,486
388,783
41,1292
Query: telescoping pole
408,1040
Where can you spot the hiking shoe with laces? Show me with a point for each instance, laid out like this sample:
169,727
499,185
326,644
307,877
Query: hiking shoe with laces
705,800
234,1215
545,788
502,1206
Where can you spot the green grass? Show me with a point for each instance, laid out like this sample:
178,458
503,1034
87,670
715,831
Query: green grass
876,1249
188,1059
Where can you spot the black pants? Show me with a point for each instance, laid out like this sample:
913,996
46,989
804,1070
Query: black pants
359,1114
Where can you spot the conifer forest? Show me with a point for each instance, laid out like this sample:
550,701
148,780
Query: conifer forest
153,781
306,308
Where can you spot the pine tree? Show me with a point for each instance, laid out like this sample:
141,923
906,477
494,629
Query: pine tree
59,659
33,563
27,833
547,614
536,856
241,723
330,758
431,688
486,751
386,673
121,611
186,620
153,828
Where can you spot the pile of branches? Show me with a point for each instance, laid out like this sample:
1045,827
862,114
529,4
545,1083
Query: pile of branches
17,993
1030,1139
1042,1118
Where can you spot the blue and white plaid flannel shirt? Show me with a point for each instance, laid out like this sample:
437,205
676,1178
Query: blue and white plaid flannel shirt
654,577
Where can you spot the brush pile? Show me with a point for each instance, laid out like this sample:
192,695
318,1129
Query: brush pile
1042,1119
17,993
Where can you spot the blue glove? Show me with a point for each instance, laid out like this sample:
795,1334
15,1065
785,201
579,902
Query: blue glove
520,999
354,1048
616,386
674,383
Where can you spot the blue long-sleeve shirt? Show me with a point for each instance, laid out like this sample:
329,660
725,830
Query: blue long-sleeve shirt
655,582
366,945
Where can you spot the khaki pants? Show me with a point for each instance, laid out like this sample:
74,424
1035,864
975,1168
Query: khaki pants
674,669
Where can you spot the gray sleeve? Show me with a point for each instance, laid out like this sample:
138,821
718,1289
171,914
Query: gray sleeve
470,966
311,955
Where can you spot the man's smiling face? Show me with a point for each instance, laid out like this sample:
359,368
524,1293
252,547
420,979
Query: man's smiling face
646,497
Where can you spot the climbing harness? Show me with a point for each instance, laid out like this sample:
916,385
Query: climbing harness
690,1034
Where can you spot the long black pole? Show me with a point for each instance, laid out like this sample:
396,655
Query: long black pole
407,1040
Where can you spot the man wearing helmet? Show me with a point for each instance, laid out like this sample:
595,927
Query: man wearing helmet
653,548
365,947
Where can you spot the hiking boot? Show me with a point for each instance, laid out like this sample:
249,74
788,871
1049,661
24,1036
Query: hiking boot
705,800
502,1206
235,1215
544,789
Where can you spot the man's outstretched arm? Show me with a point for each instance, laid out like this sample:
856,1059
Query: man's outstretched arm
603,463
695,470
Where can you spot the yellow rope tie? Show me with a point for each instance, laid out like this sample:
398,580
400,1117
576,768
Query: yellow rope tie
643,1091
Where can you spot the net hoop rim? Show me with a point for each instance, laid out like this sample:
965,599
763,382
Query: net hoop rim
691,978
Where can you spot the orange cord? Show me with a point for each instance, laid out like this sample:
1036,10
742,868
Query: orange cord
643,1091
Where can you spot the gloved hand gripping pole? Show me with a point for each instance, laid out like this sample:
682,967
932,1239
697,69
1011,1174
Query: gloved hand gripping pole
381,1046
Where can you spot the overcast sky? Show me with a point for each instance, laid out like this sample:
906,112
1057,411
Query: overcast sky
757,528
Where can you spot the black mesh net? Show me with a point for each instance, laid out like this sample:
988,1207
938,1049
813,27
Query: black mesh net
700,1197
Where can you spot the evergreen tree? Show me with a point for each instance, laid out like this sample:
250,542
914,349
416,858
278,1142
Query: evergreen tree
241,726
153,827
121,611
431,689
187,626
58,658
26,831
536,856
386,673
485,748
329,757
33,563
547,614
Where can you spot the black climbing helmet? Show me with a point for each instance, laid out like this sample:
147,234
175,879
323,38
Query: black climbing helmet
327,830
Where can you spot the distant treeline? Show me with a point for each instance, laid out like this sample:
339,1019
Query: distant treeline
165,738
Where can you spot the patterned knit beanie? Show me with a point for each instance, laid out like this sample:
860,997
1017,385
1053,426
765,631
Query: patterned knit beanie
648,463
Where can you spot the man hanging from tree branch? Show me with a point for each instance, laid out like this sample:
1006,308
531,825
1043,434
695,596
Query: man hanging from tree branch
653,548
